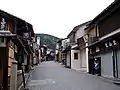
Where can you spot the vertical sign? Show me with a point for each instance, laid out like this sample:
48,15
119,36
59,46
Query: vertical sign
26,35
38,40
3,23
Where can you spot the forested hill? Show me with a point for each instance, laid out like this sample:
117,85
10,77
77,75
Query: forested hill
49,40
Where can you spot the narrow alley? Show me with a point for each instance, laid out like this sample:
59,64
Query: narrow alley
52,76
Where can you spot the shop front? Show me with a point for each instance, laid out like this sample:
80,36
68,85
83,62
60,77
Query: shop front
6,57
107,52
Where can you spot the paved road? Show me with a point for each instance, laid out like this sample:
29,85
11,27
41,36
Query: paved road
53,76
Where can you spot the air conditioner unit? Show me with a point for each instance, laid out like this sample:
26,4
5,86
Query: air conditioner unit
2,42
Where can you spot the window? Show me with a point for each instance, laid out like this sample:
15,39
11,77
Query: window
75,55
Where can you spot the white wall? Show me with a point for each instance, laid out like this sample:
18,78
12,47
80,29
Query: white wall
81,63
68,58
57,46
75,64
87,65
48,51
107,64
83,58
80,32
63,43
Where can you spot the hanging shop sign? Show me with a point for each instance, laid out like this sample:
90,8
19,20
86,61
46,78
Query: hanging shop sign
3,24
26,35
6,27
97,49
38,40
110,43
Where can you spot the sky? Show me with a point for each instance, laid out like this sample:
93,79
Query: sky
55,17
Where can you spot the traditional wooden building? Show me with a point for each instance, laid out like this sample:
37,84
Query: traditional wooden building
104,43
59,51
15,43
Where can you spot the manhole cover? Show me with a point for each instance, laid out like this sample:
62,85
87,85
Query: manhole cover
41,82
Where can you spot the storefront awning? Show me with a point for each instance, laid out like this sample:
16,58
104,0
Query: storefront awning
7,35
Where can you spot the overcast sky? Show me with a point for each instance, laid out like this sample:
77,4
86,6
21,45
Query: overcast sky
55,17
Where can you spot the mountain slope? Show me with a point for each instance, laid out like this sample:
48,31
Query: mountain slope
49,40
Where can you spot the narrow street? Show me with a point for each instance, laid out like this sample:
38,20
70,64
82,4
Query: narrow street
53,76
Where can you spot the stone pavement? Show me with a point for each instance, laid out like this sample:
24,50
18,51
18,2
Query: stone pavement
53,76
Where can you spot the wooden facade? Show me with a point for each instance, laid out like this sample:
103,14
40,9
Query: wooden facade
15,34
107,45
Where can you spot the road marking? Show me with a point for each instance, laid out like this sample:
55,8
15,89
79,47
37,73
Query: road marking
41,82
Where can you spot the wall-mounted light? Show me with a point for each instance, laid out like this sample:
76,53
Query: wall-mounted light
106,45
114,42
97,49
3,23
110,44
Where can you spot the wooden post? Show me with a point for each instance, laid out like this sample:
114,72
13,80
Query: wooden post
23,75
13,77
5,66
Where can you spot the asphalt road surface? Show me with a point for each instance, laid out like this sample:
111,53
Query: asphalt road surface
53,76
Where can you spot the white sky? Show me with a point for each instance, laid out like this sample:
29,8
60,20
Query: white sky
54,17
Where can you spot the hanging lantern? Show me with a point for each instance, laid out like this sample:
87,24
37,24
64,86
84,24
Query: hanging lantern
110,44
106,45
97,49
3,23
114,42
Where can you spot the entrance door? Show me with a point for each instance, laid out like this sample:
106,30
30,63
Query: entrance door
98,66
1,73
2,65
91,65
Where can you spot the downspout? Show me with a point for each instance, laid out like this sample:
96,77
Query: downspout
115,68
70,56
116,62
113,62
87,62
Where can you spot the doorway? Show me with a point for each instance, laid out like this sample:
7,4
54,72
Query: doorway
97,66
3,68
91,65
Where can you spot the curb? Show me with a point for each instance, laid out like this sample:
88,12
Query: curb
112,80
27,77
106,79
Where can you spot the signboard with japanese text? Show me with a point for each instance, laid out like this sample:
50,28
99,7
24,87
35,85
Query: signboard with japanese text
38,40
6,25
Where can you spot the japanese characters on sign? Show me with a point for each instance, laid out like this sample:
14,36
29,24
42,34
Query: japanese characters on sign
3,24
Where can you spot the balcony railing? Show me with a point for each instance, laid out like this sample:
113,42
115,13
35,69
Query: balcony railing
92,40
80,41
